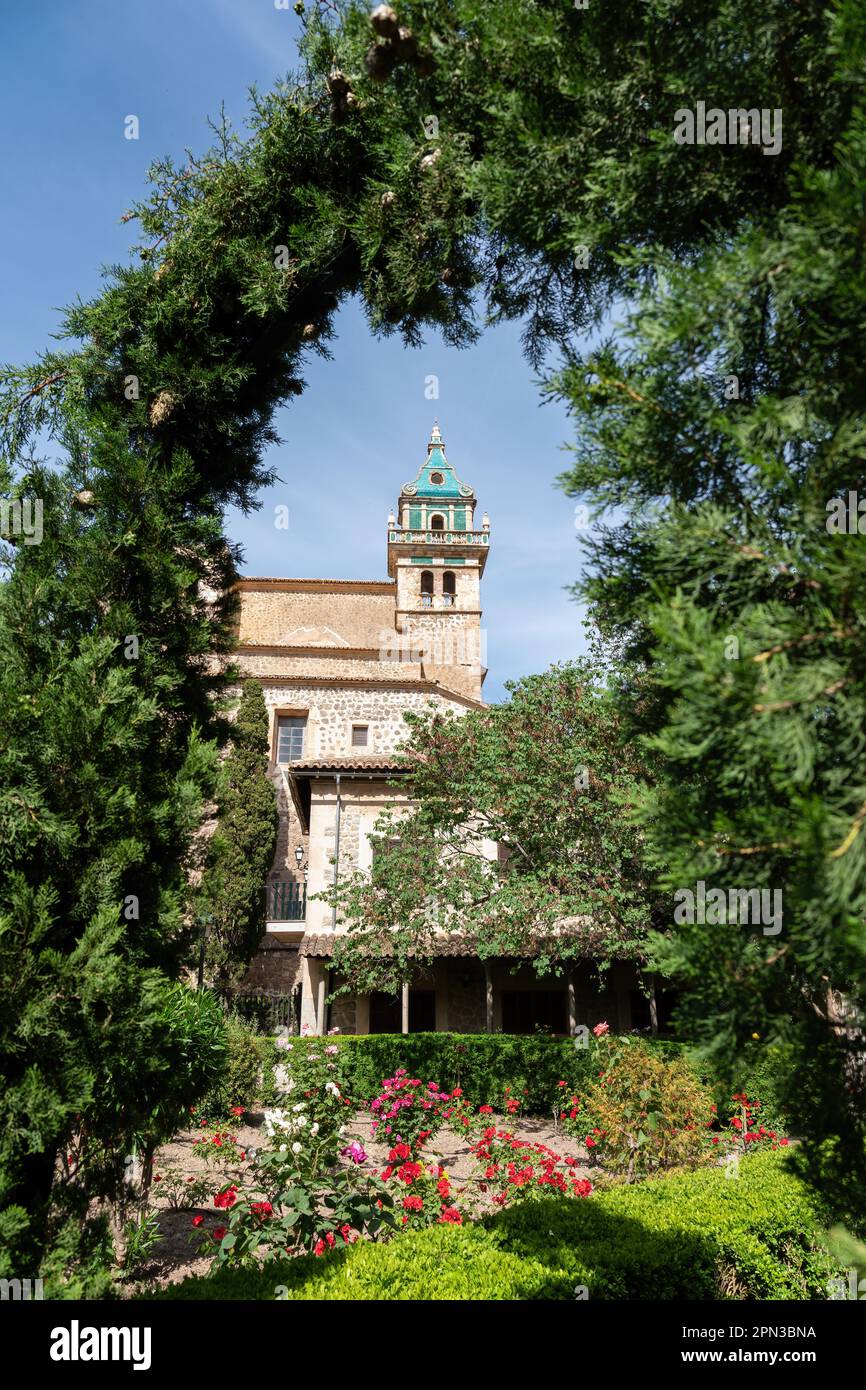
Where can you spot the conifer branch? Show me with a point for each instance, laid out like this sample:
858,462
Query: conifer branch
774,705
849,839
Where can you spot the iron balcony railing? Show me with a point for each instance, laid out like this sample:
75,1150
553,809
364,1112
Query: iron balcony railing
286,900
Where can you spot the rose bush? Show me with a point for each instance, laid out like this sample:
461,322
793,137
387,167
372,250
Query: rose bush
296,1194
410,1111
422,1191
517,1169
216,1142
744,1132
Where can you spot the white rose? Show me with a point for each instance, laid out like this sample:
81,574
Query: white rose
301,1121
314,1129
282,1080
282,1148
296,1148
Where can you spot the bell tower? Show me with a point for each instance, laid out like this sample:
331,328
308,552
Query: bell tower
437,557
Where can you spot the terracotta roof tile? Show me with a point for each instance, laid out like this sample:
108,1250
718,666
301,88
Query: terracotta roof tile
341,762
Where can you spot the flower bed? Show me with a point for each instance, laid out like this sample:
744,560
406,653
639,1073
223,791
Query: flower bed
688,1236
417,1154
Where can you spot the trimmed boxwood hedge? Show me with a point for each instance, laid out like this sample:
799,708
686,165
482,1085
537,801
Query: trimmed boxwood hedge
697,1235
481,1064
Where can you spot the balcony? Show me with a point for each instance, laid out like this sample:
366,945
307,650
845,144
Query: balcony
471,547
286,900
397,536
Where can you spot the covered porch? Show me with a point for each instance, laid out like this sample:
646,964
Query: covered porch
460,993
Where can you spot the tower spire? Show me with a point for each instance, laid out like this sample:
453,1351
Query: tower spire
435,440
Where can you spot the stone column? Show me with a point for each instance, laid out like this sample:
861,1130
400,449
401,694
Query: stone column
572,1002
321,995
310,971
488,996
404,1001
362,1013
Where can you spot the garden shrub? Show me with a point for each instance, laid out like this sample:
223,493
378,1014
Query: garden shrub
643,1112
240,1081
763,1078
696,1235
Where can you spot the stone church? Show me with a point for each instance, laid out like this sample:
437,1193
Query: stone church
341,661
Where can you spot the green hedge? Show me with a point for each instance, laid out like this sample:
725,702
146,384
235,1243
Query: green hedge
481,1064
690,1236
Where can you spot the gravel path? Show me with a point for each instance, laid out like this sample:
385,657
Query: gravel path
175,1257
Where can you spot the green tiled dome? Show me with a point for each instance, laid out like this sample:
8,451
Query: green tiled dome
436,477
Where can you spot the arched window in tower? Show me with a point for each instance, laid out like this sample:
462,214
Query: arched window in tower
437,522
426,588
449,589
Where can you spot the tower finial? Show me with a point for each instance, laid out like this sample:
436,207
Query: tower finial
435,436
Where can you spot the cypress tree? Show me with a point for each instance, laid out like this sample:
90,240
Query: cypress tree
242,849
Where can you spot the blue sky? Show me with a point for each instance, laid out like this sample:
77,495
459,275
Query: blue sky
69,76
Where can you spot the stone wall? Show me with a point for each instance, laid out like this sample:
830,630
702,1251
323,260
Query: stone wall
467,996
310,613
453,646
332,710
327,665
289,832
275,968
342,1014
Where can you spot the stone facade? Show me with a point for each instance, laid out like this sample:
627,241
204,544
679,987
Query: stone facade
341,663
